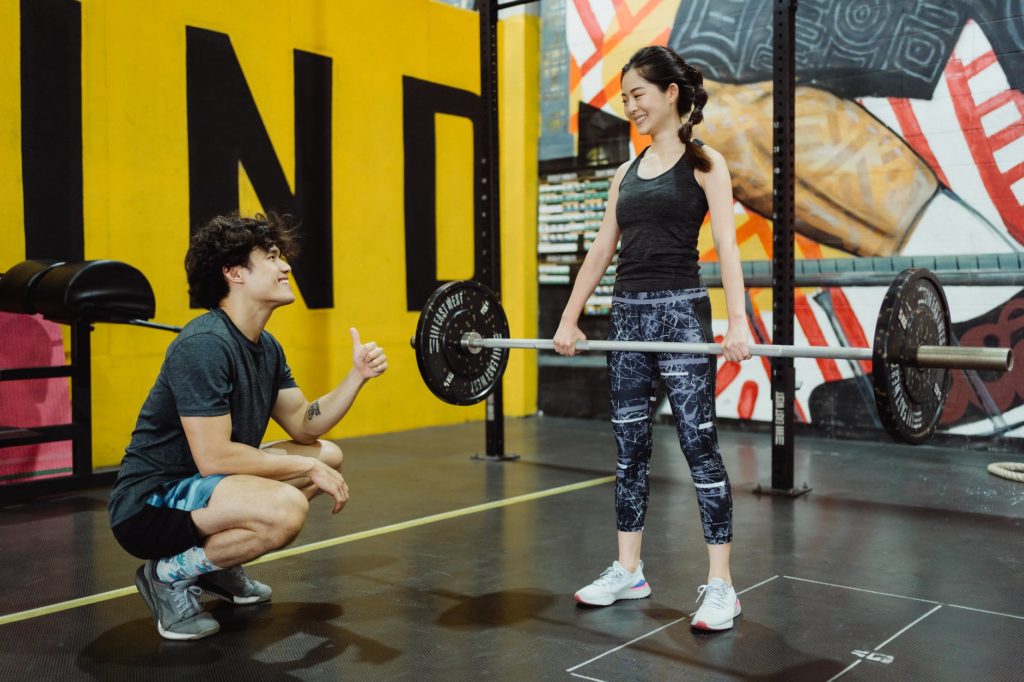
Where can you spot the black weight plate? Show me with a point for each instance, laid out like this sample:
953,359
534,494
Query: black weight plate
914,313
453,374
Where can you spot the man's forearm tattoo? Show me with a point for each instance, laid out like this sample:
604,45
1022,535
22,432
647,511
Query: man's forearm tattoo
313,411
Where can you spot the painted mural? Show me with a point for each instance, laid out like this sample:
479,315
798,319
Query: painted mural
910,141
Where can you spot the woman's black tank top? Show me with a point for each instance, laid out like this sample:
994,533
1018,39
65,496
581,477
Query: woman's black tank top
659,219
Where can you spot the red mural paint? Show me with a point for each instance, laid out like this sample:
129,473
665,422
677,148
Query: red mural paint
850,324
812,330
998,184
1007,389
748,397
915,137
727,373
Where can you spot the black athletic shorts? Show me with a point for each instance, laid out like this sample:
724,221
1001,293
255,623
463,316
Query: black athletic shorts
164,527
158,532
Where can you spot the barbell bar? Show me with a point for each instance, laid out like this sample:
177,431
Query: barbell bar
949,357
462,343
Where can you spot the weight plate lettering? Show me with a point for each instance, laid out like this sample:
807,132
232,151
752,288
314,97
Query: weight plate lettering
452,373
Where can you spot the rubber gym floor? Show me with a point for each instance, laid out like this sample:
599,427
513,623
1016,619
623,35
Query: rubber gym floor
902,564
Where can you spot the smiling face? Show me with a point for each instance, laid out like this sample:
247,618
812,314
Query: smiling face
266,279
650,108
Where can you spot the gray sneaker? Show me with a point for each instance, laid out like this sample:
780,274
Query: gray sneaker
234,586
175,606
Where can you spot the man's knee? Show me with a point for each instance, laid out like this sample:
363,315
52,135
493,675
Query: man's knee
288,510
331,454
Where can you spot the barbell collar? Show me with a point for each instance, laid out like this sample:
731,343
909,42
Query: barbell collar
963,357
959,357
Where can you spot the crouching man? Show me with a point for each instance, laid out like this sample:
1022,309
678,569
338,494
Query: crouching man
197,495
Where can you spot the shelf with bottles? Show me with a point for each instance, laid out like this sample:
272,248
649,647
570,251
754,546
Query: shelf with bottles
600,302
570,208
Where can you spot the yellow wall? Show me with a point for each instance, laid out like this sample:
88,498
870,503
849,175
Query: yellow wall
11,235
136,182
519,99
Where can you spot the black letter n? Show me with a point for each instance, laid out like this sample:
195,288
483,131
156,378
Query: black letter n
225,129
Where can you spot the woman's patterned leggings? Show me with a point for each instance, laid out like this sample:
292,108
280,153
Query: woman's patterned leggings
675,315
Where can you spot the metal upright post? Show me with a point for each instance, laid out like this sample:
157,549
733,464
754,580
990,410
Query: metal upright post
81,401
783,162
489,220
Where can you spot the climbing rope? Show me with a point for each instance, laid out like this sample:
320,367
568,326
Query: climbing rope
1008,470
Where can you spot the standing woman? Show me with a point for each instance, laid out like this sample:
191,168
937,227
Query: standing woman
657,204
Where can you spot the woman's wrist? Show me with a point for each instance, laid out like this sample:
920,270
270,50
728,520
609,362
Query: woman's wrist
568,318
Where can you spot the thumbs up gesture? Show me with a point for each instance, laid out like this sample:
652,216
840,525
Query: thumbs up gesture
368,359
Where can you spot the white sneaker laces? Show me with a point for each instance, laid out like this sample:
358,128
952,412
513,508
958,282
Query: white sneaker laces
714,596
611,575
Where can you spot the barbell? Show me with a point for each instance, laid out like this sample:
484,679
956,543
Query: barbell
462,346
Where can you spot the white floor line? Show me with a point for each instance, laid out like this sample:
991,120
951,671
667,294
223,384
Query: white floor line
763,582
845,670
623,646
908,627
861,589
900,596
653,632
993,613
859,661
584,677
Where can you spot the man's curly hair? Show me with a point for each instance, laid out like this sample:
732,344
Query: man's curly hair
228,241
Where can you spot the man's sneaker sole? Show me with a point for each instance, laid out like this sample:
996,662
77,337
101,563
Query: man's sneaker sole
636,592
231,599
717,627
178,637
222,594
143,589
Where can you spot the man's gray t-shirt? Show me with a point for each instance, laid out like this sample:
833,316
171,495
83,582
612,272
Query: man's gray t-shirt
210,370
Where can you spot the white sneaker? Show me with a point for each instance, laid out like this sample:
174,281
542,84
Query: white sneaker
719,608
614,584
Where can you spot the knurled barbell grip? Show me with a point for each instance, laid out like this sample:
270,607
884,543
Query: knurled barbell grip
951,357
